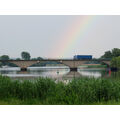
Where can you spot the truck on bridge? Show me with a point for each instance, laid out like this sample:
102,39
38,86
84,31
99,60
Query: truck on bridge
82,57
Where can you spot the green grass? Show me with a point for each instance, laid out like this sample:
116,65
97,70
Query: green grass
97,66
44,91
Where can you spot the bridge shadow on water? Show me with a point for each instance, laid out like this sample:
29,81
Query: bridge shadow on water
72,74
23,72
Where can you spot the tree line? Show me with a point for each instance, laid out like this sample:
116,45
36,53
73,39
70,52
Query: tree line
115,52
24,56
114,55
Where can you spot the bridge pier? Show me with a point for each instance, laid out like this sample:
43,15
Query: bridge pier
23,69
73,69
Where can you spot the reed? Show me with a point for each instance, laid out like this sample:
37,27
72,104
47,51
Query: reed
82,90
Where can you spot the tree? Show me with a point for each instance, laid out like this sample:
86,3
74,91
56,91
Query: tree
115,62
25,56
39,58
110,54
107,54
115,52
18,59
4,57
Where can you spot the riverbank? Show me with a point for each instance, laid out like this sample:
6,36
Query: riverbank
97,66
45,91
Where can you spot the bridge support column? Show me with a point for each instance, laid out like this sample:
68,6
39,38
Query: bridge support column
73,69
23,69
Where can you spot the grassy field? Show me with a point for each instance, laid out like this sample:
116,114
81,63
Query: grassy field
44,91
97,66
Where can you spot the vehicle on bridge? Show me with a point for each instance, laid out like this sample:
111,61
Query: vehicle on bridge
82,57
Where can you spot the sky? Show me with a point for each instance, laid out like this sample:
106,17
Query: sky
58,36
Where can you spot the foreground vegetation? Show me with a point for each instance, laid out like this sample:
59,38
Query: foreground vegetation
82,91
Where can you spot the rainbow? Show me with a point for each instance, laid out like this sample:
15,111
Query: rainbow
75,32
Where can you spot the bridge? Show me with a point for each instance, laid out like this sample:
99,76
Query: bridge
71,63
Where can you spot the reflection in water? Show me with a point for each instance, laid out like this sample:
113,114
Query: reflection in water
72,74
22,72
115,74
90,72
57,73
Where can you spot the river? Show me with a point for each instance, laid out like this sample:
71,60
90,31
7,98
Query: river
55,72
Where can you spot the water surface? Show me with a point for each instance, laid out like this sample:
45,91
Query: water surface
55,72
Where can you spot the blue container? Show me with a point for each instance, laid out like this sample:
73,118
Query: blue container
82,57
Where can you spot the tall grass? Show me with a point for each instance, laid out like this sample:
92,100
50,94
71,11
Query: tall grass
45,91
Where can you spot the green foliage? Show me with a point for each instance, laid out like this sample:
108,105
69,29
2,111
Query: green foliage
4,57
115,52
115,62
97,66
110,54
46,91
18,59
38,58
25,55
0,64
107,54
